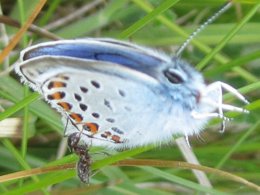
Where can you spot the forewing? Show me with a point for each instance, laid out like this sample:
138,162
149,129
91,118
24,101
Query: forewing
126,54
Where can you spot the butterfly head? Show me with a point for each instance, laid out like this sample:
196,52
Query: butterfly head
183,82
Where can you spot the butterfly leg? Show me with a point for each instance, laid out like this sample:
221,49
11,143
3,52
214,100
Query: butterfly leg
197,115
229,88
213,96
215,90
226,106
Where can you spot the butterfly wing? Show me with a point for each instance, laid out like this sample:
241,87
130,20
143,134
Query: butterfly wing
108,50
111,103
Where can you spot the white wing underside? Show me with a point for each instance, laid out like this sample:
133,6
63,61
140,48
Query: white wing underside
116,99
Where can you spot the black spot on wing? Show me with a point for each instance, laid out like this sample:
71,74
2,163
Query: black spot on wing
83,107
117,130
95,115
95,84
111,120
84,89
77,97
121,93
107,104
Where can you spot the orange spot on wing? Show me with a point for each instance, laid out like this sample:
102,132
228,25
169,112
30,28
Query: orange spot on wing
56,96
92,127
66,106
76,117
116,138
106,134
56,84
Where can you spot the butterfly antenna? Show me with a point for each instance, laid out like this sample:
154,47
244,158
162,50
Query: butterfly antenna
196,32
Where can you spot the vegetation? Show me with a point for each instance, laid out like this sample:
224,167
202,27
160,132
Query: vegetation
227,50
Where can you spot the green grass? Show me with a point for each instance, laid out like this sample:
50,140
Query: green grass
227,50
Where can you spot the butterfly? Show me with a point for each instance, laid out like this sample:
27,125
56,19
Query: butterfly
118,94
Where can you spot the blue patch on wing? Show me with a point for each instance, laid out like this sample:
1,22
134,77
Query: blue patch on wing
109,53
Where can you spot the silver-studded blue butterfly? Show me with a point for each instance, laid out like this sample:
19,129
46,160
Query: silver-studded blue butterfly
120,95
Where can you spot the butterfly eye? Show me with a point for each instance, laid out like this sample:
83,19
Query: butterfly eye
173,76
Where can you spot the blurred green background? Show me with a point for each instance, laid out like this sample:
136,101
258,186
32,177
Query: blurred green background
237,63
